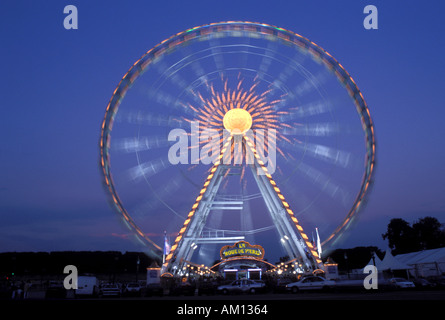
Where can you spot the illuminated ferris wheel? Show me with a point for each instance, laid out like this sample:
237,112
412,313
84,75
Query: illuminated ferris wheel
237,131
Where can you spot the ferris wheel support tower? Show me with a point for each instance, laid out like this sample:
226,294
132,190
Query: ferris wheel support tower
292,236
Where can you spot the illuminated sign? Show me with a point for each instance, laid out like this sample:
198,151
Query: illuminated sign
242,248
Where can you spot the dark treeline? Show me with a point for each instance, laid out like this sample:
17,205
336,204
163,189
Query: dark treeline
53,263
355,258
424,234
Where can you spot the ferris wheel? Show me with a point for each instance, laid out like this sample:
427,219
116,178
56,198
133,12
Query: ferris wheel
164,138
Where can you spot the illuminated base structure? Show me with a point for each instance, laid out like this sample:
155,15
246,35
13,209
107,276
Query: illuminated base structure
292,237
242,261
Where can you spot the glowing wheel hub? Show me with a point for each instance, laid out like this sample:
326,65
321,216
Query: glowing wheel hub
237,121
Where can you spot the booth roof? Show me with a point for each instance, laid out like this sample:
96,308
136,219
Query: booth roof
425,256
392,263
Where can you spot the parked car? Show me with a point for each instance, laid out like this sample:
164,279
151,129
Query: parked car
401,283
437,282
242,286
281,285
311,283
110,289
132,289
422,283
87,285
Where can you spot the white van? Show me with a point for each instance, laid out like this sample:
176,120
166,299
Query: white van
87,286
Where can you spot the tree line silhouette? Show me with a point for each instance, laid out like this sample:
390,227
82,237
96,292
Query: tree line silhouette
53,263
424,234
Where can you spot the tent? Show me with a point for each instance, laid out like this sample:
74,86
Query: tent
375,259
389,262
426,263
425,256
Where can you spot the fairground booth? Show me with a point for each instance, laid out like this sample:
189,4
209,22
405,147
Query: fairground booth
242,261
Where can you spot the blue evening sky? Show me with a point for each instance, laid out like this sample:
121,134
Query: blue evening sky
55,85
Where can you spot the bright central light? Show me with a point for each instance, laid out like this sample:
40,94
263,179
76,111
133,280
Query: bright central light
237,121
